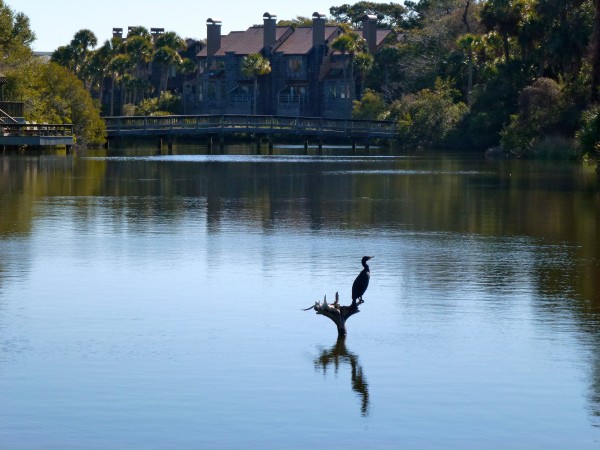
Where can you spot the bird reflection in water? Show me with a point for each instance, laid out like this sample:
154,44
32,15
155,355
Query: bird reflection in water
338,355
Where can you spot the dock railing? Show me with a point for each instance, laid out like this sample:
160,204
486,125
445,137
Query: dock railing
36,130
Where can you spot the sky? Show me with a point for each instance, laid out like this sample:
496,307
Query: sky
56,21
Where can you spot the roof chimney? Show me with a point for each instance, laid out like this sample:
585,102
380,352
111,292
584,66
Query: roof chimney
213,36
318,29
270,30
370,32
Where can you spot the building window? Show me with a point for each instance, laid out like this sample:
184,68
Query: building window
292,94
212,90
295,64
240,94
331,90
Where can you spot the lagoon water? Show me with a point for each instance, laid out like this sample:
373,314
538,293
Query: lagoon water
153,301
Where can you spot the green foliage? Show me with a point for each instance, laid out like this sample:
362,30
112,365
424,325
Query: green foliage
588,136
52,94
253,66
541,110
371,106
127,65
166,104
429,116
16,36
388,14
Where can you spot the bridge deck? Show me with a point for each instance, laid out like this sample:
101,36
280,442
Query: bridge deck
232,124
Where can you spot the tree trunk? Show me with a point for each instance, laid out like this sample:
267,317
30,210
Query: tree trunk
506,46
255,94
470,77
465,16
336,312
112,96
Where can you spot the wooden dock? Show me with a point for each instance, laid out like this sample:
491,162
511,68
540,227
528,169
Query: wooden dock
36,135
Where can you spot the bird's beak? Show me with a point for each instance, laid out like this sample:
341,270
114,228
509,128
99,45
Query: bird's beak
371,257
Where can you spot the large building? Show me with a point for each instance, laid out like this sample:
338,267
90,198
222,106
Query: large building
307,77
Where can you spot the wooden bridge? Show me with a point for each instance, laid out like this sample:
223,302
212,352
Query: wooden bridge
268,126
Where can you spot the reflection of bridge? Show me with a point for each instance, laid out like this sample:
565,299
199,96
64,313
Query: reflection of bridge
267,126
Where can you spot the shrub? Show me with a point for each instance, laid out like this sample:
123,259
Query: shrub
541,109
371,106
52,94
588,136
166,104
430,116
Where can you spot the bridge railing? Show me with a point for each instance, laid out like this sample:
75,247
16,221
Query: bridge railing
249,123
38,129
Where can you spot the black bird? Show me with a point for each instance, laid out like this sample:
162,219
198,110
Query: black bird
362,281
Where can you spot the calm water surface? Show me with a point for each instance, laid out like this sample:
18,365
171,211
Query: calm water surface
154,301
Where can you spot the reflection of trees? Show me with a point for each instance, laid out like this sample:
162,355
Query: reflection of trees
338,355
554,204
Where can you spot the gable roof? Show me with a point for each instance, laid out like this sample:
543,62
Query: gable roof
300,41
245,42
289,41
382,34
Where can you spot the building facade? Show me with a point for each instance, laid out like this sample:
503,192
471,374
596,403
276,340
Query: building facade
307,77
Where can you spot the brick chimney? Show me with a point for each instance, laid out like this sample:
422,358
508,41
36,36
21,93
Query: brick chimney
370,32
269,31
213,36
318,29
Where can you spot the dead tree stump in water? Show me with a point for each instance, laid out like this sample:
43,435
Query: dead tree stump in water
336,312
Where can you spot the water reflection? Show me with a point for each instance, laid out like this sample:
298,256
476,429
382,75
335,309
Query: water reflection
520,231
339,355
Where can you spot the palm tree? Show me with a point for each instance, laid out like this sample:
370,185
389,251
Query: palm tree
467,43
503,16
165,57
168,46
98,66
350,44
82,42
118,67
140,50
64,56
253,66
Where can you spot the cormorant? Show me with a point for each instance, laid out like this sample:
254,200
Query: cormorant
362,281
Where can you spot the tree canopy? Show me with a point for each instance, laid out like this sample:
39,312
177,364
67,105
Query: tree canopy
16,36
